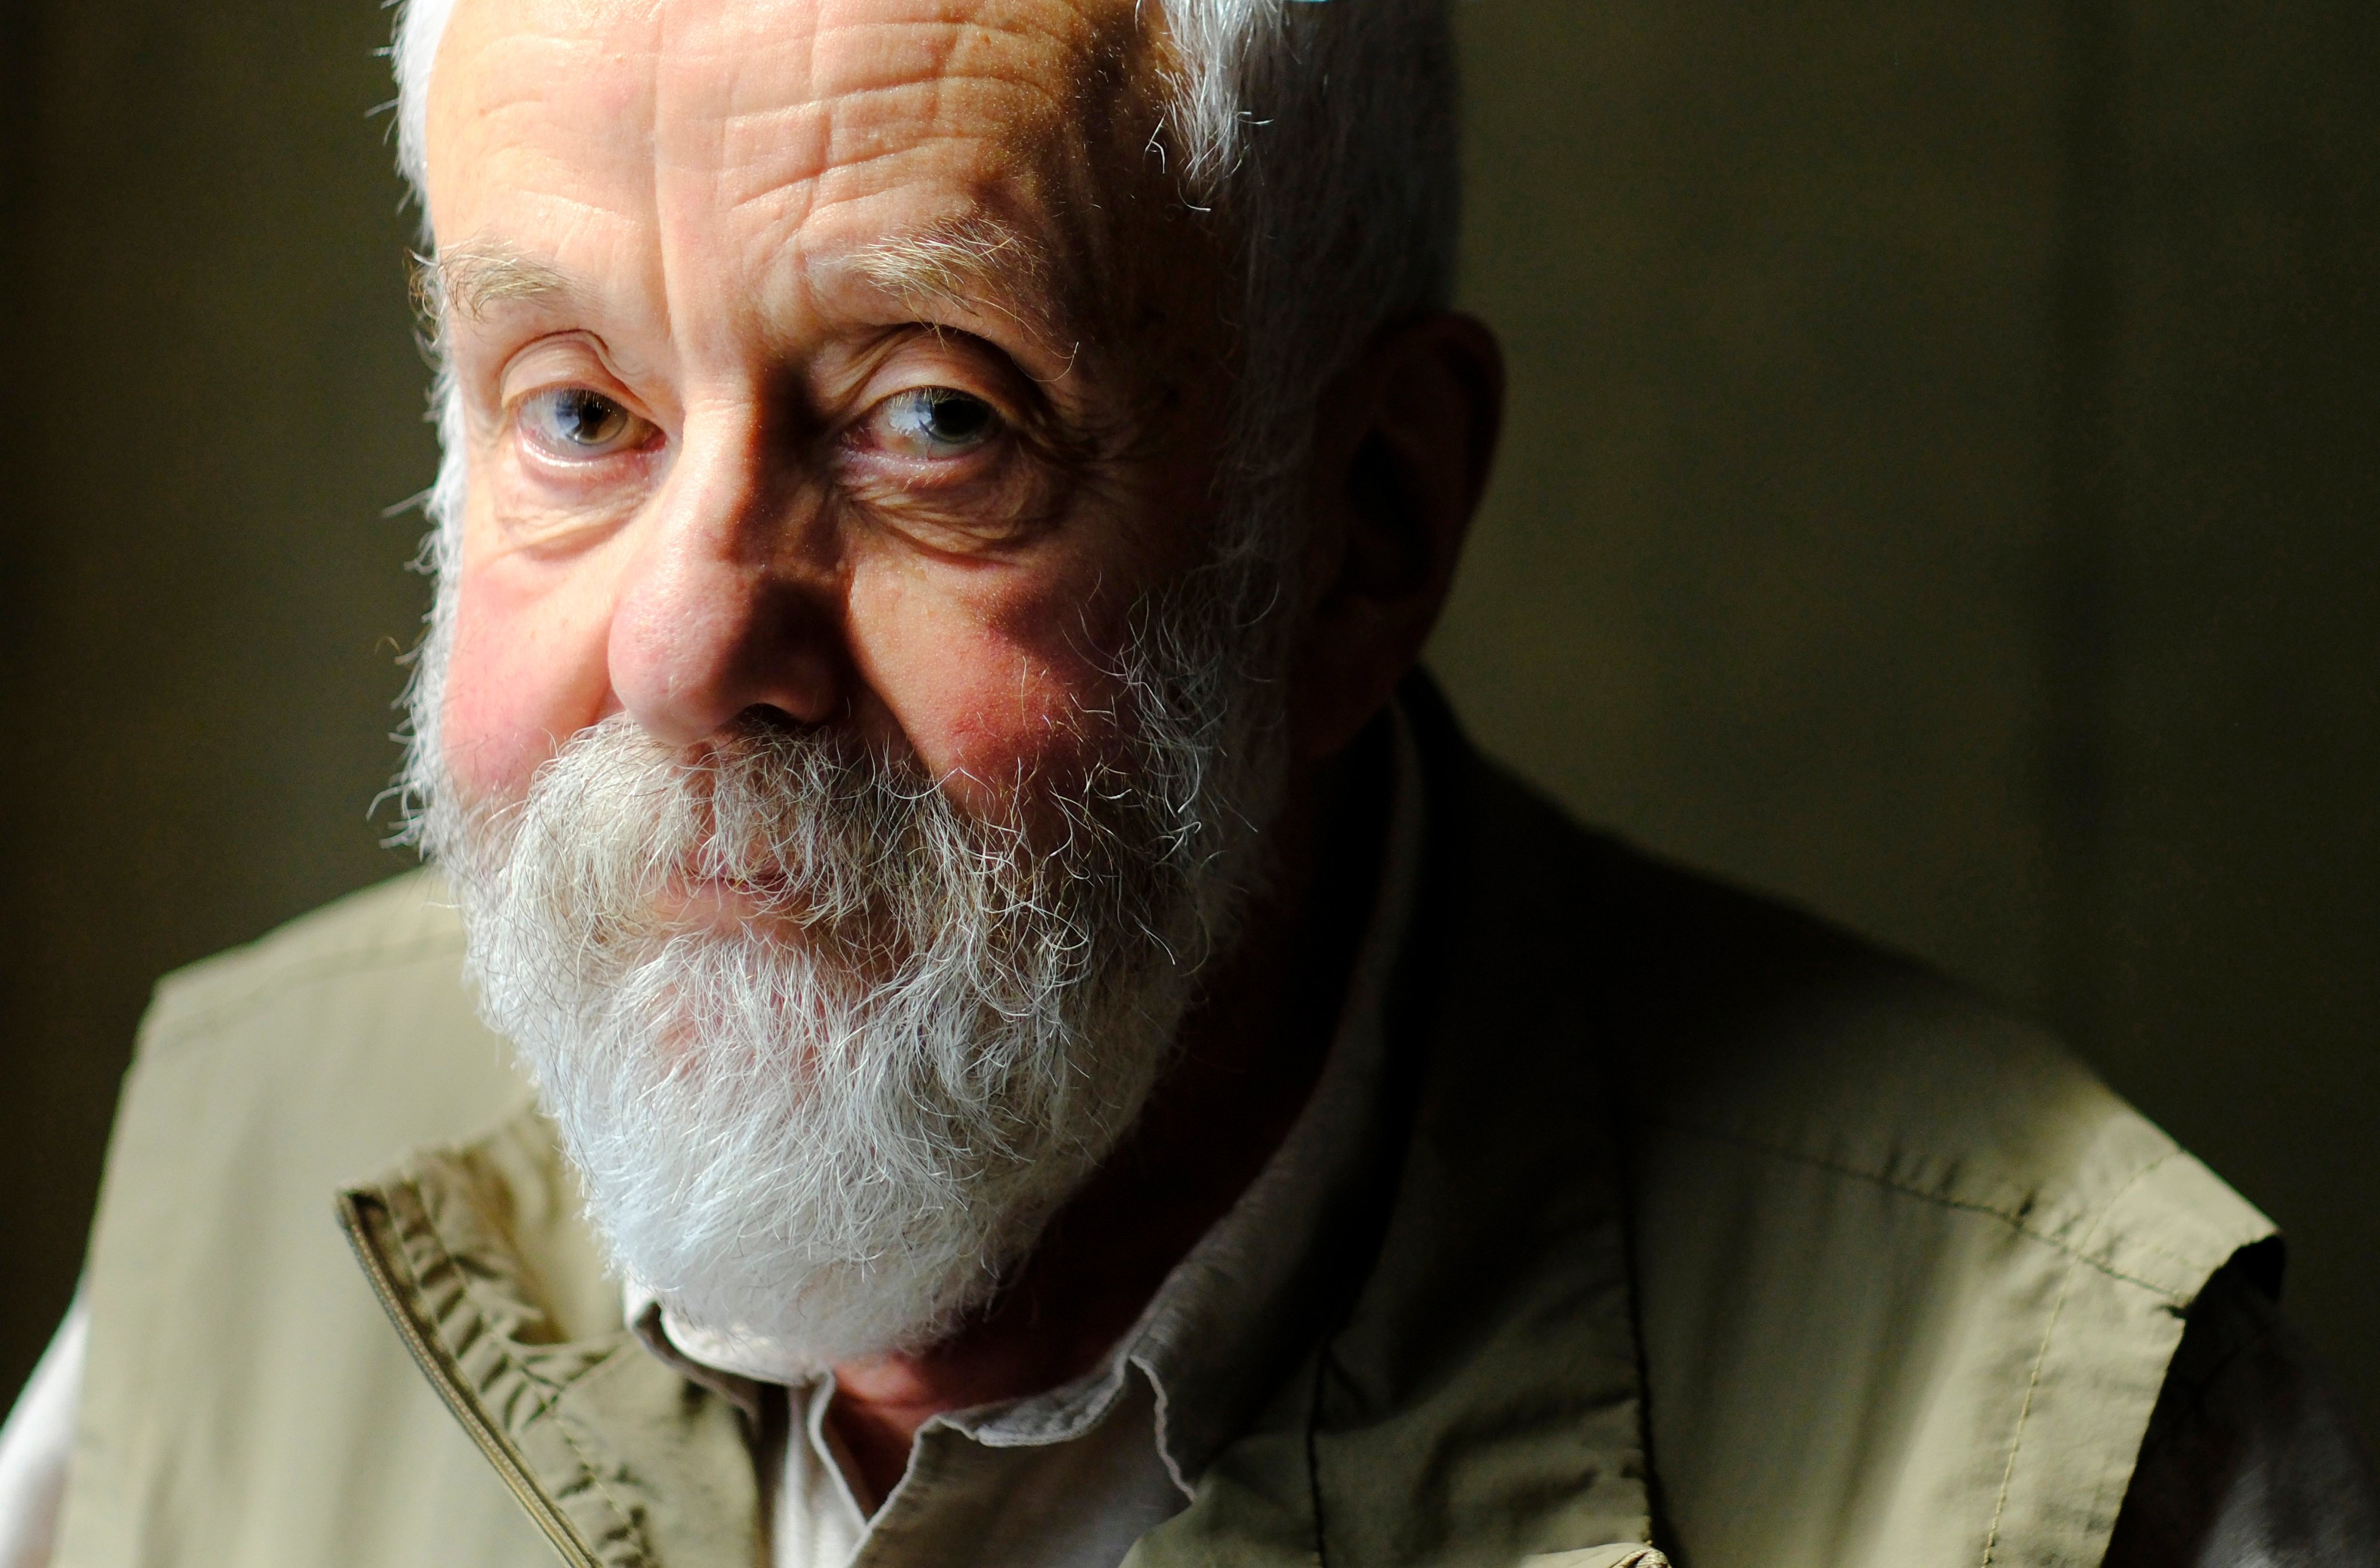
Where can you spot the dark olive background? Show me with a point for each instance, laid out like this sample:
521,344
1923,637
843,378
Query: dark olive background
1940,487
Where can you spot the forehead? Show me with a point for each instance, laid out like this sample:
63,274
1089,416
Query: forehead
773,118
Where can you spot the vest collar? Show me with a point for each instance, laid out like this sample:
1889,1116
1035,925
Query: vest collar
618,1459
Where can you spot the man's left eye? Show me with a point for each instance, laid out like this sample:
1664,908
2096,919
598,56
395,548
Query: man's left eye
933,422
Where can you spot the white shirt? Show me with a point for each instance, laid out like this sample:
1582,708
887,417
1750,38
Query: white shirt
37,1443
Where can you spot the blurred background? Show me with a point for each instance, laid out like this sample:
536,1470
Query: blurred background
1941,488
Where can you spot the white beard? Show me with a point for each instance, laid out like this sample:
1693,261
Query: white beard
831,1131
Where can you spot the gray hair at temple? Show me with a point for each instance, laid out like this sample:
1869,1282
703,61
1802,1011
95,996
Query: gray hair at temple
1324,134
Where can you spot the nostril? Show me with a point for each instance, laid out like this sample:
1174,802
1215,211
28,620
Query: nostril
763,720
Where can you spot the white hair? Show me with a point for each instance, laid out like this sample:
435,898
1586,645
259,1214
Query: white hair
1323,131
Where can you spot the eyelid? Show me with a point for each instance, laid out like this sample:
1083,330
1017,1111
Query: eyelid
551,366
919,355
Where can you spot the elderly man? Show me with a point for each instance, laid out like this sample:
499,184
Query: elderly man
1032,1039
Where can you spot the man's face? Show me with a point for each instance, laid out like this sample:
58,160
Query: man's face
844,358
846,770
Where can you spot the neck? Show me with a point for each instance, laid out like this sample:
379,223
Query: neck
1252,1049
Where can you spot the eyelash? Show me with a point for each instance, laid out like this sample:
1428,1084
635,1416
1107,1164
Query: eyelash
899,435
632,430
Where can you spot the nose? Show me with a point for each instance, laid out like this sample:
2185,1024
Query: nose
727,604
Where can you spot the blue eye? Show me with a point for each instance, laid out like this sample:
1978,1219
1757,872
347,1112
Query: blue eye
577,422
935,422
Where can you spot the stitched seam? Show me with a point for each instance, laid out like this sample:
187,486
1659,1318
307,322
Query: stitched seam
429,1230
555,1389
2025,1413
2049,1333
2013,1221
585,1460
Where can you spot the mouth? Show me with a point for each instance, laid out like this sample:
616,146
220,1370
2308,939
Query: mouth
728,903
776,910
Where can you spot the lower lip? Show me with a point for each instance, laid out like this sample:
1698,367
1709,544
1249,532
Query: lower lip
713,903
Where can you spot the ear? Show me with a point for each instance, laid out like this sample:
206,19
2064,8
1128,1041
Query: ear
1403,442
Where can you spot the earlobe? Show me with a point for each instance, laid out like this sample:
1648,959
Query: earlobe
1404,441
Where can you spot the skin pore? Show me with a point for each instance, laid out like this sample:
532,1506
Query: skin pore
855,360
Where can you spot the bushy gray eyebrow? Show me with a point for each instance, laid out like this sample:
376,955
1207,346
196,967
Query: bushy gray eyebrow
972,265
969,264
469,278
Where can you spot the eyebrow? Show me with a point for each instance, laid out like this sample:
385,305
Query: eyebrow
972,263
967,264
471,277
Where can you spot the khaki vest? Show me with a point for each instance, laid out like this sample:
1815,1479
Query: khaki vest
1709,1228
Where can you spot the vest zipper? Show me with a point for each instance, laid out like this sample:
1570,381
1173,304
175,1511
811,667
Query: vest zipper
446,1378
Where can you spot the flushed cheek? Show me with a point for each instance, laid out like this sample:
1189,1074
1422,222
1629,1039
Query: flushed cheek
525,674
988,686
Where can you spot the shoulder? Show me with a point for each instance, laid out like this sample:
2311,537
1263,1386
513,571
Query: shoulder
408,923
1905,1273
324,1048
224,1297
1727,1021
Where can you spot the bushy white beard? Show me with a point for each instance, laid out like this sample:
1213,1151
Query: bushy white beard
831,1130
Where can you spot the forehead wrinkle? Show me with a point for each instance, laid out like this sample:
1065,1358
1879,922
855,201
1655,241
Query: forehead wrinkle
589,71
998,137
764,128
781,112
1007,252
856,118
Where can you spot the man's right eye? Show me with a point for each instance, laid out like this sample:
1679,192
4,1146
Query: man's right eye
577,423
